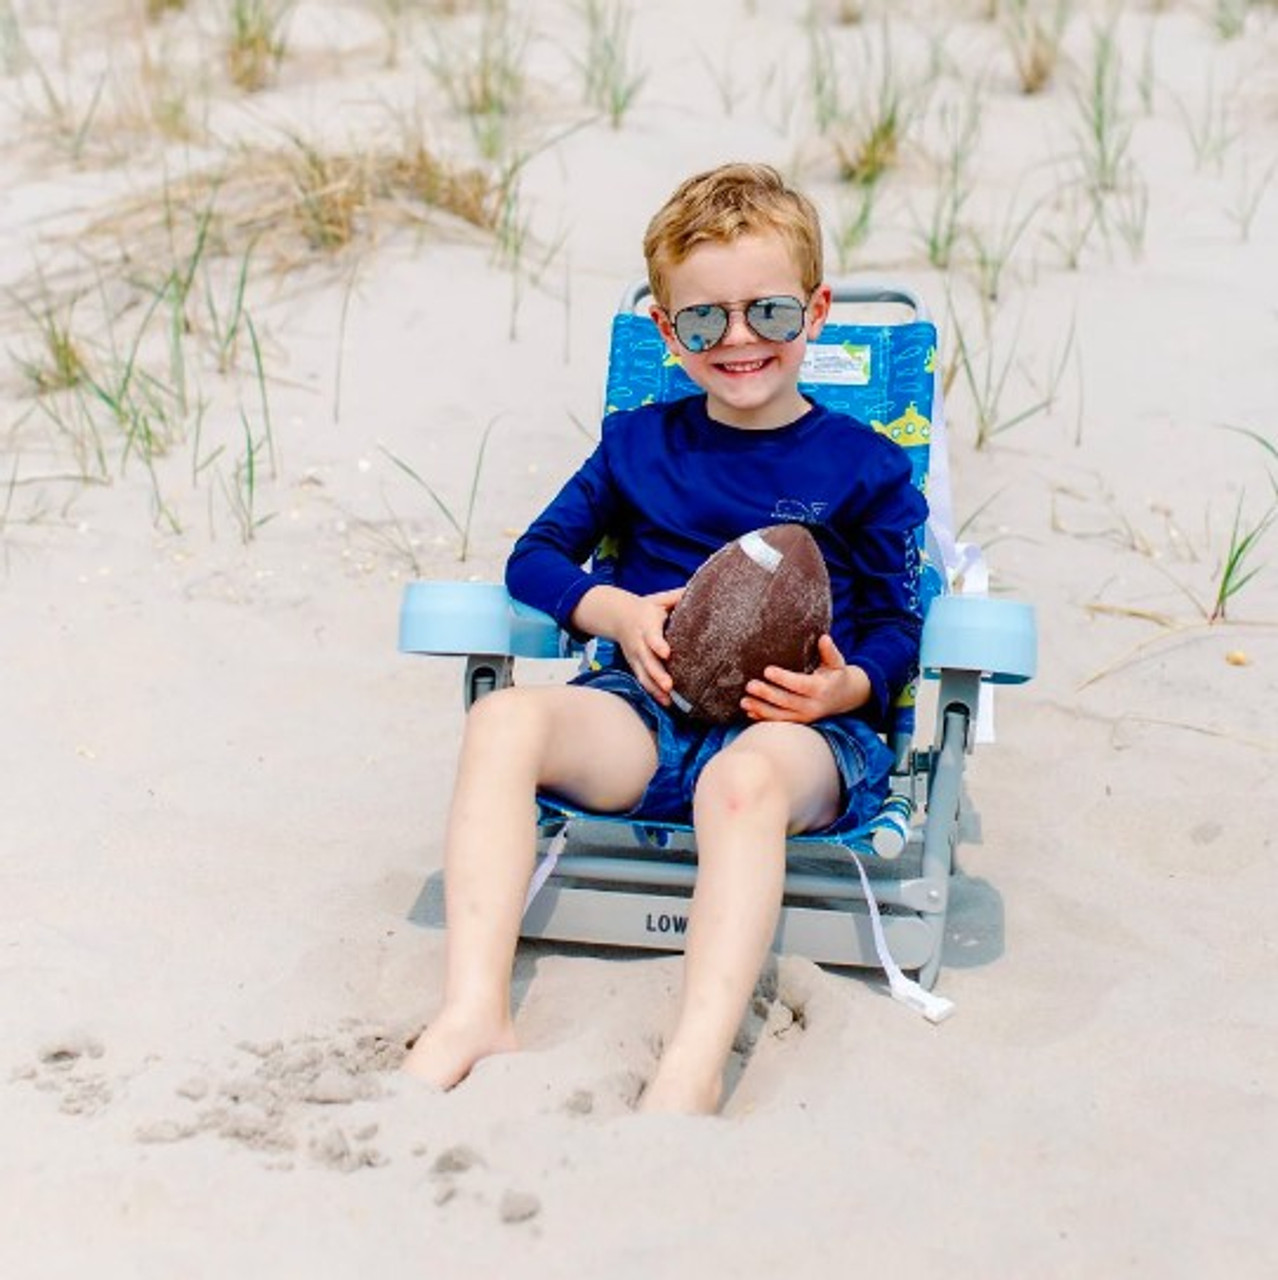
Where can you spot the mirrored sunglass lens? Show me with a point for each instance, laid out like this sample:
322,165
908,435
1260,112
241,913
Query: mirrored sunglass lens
700,327
776,319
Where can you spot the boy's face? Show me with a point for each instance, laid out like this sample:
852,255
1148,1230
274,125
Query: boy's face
750,381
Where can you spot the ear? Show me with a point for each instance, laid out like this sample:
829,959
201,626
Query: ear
666,329
819,310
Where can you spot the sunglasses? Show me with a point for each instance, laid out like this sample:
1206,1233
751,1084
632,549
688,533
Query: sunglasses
704,325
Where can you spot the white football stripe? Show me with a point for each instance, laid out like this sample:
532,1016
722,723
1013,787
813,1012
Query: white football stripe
765,556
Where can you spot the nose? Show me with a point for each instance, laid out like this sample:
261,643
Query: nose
738,331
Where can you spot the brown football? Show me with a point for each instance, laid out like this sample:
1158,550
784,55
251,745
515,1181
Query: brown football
763,600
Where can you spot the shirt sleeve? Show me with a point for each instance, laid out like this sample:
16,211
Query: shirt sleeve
545,567
885,569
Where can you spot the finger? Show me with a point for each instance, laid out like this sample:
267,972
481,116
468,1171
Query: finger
652,687
658,674
771,693
667,599
759,709
829,651
792,681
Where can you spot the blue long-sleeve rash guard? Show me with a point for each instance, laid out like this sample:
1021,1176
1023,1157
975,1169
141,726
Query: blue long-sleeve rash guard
672,486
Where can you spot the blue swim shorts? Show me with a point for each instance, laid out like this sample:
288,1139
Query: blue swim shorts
685,746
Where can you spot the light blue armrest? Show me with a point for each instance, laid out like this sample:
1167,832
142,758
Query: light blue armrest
998,638
473,618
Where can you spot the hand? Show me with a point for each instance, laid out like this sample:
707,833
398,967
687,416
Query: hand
638,625
832,689
641,632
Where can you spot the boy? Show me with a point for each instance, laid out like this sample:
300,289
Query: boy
734,264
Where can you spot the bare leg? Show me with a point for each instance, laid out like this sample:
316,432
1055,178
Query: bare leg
774,779
589,746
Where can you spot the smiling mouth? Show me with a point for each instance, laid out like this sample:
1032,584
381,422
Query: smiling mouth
742,366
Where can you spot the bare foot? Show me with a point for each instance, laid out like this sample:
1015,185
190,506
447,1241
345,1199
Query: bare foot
451,1045
674,1092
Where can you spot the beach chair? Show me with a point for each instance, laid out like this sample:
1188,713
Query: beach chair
879,896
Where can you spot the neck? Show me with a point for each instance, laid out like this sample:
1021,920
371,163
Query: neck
773,419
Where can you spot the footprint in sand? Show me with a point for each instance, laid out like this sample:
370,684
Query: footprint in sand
284,1099
281,1098
794,1018
70,1067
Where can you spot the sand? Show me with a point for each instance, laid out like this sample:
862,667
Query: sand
224,790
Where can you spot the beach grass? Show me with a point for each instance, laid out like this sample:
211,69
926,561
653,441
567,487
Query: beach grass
868,136
114,350
460,521
201,246
954,181
482,75
1104,123
1249,192
1034,31
1238,564
256,41
987,377
612,76
1209,126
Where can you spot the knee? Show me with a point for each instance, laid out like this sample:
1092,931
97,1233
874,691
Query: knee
506,716
740,781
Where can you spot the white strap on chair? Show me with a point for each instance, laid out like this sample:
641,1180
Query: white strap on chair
545,867
933,1007
965,569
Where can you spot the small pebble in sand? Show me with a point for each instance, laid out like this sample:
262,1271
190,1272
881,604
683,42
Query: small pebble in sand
581,1102
163,1131
69,1049
456,1160
333,1087
334,1150
518,1206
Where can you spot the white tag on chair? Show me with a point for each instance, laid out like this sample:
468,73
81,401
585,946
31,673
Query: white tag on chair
933,1007
546,865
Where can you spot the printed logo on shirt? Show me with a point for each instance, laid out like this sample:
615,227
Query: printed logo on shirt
796,511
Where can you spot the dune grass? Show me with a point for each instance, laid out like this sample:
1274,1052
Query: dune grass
1105,125
954,181
482,75
126,382
611,73
1238,562
1034,31
869,135
113,354
255,41
462,521
1238,567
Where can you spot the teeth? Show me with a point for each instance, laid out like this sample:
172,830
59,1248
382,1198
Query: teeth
744,366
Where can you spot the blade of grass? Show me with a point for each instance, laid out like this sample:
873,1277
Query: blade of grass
1235,573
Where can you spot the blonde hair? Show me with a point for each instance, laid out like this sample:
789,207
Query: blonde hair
723,204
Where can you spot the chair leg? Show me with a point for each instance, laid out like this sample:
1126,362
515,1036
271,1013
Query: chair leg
941,831
486,673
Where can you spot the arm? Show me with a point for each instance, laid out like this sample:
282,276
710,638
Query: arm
545,567
544,570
